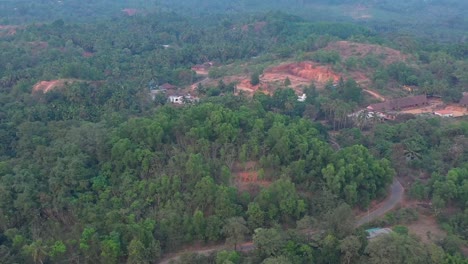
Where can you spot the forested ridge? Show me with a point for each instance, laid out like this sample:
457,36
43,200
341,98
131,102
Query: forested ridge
96,171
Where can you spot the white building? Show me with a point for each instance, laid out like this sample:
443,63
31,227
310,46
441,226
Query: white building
176,99
302,98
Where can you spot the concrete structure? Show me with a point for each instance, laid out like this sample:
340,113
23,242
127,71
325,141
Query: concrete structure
376,232
302,98
176,99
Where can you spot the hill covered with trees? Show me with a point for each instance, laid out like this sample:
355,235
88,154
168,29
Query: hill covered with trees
93,170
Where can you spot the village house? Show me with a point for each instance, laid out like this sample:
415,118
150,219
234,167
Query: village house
181,99
399,104
167,86
302,98
176,99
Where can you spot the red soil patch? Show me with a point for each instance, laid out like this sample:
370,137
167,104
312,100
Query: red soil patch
8,30
245,86
46,86
348,49
246,177
308,71
300,74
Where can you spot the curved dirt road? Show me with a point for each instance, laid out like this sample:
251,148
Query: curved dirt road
395,197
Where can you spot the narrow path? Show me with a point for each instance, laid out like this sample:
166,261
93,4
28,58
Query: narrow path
375,94
395,197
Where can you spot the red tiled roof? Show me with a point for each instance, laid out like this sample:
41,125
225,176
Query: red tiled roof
399,103
168,86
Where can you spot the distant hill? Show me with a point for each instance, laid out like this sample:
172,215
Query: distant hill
443,20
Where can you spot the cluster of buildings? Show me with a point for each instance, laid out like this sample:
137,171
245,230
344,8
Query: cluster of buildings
390,108
172,93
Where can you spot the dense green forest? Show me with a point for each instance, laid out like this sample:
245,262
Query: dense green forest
96,171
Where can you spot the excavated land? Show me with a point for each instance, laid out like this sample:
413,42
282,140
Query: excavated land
300,74
47,86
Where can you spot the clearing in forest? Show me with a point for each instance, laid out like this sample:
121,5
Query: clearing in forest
247,176
300,74
426,227
348,49
46,86
8,30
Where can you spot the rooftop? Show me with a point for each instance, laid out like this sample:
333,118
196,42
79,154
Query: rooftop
375,232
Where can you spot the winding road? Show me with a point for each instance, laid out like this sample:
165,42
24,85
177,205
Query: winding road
394,198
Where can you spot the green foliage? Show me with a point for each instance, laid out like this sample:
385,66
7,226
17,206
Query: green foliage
225,256
255,78
281,201
95,171
402,230
268,241
331,57
235,231
396,248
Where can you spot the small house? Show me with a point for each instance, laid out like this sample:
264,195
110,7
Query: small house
302,98
176,99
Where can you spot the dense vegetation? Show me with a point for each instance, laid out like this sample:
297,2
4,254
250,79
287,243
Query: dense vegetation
97,172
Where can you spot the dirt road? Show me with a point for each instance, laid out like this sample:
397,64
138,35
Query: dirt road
375,94
396,195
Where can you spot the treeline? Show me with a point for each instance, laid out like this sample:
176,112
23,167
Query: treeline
92,191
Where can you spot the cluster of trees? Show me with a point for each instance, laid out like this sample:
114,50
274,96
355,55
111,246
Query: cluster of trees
103,191
273,245
433,154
